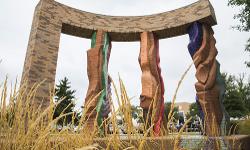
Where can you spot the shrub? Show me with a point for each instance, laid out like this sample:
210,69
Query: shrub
244,127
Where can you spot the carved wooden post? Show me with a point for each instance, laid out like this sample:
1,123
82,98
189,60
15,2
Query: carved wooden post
98,57
210,86
152,82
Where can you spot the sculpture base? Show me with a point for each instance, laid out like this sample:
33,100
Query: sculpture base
170,142
239,142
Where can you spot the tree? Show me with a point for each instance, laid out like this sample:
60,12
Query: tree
244,18
193,110
167,107
136,113
65,97
248,50
237,96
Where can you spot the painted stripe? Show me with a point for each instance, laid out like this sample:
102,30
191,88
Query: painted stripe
104,78
195,35
161,113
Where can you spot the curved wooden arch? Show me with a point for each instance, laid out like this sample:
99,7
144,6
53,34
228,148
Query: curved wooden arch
52,18
128,28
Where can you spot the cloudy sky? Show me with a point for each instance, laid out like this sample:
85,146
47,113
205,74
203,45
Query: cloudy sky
16,19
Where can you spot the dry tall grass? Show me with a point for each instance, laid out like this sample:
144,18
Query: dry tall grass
24,127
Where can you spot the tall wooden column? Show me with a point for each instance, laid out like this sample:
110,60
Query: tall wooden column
152,82
41,57
98,57
210,86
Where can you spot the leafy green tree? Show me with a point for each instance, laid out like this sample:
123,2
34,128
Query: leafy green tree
237,96
134,111
193,112
248,50
137,113
167,107
193,109
244,17
65,96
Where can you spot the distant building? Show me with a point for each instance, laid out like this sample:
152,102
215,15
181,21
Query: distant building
183,108
195,125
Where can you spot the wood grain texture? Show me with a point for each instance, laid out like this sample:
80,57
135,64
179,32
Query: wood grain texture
207,87
97,68
152,82
128,28
52,18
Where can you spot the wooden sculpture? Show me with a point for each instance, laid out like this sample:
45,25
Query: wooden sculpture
210,86
152,99
97,94
52,18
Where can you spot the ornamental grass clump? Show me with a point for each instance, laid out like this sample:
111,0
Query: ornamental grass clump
25,126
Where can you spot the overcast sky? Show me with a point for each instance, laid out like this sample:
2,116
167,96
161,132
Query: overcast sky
16,19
